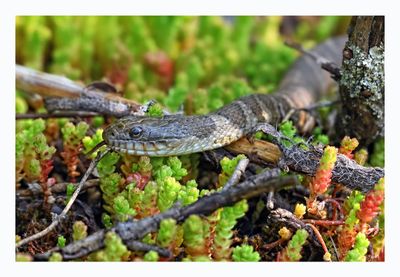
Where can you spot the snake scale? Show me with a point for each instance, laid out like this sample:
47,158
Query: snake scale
169,135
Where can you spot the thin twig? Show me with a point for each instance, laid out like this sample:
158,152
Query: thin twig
56,115
270,200
273,244
321,240
239,171
324,222
334,248
329,66
319,105
336,205
286,217
57,220
95,148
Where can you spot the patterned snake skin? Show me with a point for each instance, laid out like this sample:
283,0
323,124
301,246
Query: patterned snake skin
171,135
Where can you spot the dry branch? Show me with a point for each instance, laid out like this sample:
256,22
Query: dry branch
346,171
135,230
63,94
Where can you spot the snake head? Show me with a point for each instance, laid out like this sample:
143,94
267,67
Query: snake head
152,136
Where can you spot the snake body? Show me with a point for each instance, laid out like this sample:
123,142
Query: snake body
171,135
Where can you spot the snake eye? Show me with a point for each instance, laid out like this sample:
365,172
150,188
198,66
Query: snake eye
136,131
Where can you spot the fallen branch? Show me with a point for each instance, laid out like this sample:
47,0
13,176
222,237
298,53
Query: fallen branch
96,241
136,230
264,150
63,94
346,171
135,245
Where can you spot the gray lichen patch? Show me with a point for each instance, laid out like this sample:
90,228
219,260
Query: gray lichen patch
363,74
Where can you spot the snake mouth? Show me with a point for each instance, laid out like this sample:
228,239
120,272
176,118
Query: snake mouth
148,148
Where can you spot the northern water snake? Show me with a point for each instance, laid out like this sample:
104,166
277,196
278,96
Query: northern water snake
171,135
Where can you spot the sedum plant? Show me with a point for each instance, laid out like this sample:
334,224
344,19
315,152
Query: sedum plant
114,250
72,146
195,233
79,230
33,155
221,248
357,254
292,252
245,253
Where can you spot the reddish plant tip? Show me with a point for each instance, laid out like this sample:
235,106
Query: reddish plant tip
46,168
71,159
346,239
323,176
141,180
370,206
322,180
347,146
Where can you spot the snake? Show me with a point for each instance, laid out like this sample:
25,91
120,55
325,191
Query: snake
175,134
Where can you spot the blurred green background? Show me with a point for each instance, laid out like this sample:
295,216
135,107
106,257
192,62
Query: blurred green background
201,62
